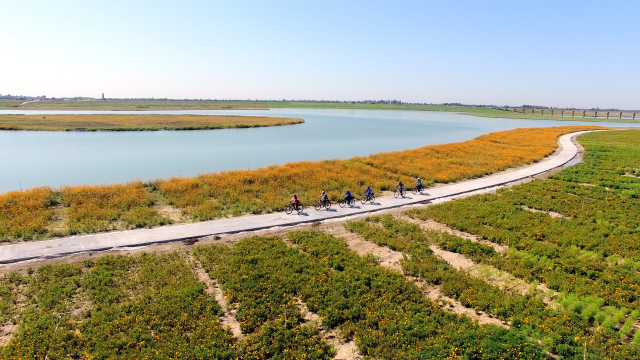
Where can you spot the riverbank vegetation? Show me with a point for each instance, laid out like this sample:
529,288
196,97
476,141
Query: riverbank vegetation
481,111
116,122
89,209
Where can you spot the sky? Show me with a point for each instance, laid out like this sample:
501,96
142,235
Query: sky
551,53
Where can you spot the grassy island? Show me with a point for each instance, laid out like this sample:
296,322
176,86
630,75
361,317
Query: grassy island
110,122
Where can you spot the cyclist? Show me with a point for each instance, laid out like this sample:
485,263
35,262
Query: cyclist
419,186
347,196
294,201
400,188
368,193
324,198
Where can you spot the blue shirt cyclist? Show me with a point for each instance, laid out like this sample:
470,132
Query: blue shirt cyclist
347,195
368,192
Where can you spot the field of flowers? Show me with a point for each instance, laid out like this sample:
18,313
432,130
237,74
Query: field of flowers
589,250
101,208
88,209
25,214
558,328
153,306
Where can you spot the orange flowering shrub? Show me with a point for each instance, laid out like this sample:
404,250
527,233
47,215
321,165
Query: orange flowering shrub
25,214
100,208
483,155
267,189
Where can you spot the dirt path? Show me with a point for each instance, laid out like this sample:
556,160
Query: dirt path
553,214
387,257
391,259
489,273
432,225
212,288
346,349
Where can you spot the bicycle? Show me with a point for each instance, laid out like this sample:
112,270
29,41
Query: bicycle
289,208
344,202
323,204
398,193
369,198
417,189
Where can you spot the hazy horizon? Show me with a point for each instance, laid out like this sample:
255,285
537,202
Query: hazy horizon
568,54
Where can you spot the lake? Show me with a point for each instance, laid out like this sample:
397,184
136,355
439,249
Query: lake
36,158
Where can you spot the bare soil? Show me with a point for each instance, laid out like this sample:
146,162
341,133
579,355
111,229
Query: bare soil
386,257
553,214
432,225
58,223
6,332
169,211
346,349
212,288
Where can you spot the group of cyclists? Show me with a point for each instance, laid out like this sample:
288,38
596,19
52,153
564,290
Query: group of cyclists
348,197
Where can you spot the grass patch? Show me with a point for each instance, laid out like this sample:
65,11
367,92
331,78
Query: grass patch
116,122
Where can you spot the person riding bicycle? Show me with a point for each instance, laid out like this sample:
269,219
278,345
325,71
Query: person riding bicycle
347,196
294,201
419,182
368,193
324,198
400,188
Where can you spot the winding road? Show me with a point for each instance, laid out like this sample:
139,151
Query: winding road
141,237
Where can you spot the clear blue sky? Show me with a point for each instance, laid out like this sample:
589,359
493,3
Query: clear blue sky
554,53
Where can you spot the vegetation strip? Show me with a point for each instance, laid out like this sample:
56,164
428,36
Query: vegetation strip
28,215
481,111
110,122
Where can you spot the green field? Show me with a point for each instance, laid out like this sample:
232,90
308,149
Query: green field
116,122
572,240
249,105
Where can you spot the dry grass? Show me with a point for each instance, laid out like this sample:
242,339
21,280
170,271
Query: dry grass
115,122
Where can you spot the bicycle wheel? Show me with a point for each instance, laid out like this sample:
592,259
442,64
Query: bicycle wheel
342,203
288,209
300,208
318,206
414,191
396,194
327,205
352,202
364,200
372,199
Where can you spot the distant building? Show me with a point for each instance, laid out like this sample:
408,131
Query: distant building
102,96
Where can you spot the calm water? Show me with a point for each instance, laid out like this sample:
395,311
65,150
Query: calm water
33,158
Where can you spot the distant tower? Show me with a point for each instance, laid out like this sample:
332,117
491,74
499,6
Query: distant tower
102,96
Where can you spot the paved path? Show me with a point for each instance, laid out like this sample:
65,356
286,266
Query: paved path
106,241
